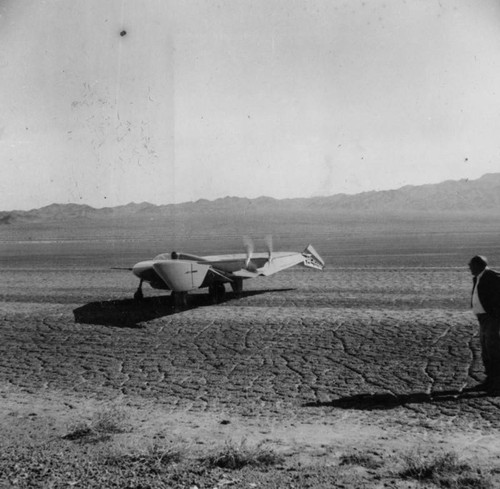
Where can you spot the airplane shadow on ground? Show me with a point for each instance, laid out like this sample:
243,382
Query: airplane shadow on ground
129,313
372,402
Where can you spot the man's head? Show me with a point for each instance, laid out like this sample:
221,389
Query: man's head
477,264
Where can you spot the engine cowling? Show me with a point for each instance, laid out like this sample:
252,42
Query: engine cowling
181,275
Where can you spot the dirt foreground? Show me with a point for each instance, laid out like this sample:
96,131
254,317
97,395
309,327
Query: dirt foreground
353,371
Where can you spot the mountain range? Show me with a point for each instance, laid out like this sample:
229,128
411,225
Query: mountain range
460,196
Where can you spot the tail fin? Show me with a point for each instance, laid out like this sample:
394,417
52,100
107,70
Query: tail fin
312,258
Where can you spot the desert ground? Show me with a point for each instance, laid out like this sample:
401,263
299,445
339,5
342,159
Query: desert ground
346,375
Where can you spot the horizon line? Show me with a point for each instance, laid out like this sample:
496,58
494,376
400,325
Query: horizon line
244,198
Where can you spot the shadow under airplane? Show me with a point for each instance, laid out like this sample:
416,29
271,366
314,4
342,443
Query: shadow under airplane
129,313
371,402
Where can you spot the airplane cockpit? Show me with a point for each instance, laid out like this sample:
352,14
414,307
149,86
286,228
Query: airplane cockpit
166,256
174,255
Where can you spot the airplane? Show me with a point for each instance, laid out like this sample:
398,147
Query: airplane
183,272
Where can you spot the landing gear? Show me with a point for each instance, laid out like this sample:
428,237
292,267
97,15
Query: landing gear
237,286
179,300
139,296
216,292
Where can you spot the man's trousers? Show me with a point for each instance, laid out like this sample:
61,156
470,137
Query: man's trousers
489,335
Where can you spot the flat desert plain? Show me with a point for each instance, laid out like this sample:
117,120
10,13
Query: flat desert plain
372,356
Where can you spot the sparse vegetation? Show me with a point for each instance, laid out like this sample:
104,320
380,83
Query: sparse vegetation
58,463
444,470
110,420
362,459
56,466
234,457
154,459
103,424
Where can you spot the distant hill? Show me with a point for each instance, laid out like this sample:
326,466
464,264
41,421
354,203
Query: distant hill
482,194
470,196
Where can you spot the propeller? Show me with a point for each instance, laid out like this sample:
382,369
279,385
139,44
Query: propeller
249,246
269,245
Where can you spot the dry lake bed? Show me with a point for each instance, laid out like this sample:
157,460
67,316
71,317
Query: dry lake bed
373,359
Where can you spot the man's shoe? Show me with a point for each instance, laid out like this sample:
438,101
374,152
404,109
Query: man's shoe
493,389
482,387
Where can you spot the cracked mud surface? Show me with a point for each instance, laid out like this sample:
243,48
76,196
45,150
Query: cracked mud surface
380,354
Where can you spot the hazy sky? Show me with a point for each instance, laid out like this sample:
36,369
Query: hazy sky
109,102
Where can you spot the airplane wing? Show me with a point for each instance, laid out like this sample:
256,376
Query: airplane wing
280,261
276,262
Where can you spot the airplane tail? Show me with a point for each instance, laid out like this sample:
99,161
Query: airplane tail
312,258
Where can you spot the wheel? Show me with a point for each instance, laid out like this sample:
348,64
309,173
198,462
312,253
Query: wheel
237,286
216,292
138,296
212,293
179,300
221,290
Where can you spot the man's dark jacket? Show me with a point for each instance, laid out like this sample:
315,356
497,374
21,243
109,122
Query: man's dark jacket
489,292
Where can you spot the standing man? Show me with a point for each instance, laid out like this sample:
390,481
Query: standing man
486,306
